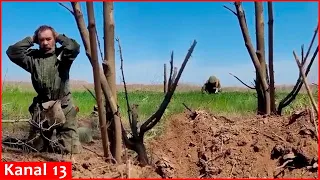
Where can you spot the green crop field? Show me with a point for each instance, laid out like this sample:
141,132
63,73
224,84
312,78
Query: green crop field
15,102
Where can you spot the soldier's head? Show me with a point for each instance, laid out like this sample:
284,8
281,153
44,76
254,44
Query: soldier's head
45,36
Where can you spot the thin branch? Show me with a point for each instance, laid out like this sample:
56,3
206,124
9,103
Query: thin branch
171,71
124,82
14,120
70,10
311,44
304,79
242,81
99,46
90,92
165,83
230,10
302,54
174,75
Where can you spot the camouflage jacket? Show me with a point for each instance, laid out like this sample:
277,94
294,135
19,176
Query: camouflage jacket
49,72
212,82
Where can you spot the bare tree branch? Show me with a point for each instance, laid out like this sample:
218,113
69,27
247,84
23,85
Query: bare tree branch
294,92
242,81
304,79
171,70
174,75
99,45
302,54
311,44
70,10
132,121
165,83
230,10
155,118
90,92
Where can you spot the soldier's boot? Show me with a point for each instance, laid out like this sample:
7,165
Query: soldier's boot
68,135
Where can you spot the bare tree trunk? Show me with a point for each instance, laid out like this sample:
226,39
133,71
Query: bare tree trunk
264,100
165,79
96,75
271,71
109,61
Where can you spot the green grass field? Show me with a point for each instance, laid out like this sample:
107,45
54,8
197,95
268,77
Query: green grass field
15,102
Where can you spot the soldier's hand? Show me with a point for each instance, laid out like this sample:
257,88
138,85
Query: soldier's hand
55,35
34,39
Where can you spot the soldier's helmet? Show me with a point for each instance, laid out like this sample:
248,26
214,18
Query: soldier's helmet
213,79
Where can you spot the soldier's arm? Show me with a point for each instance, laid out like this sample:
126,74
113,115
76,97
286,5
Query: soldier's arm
18,53
219,86
203,89
71,48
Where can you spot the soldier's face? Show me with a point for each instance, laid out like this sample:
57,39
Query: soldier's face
47,41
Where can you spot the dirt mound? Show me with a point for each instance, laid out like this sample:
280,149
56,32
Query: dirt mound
207,146
211,146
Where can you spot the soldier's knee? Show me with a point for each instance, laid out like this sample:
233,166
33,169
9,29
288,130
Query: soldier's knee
70,141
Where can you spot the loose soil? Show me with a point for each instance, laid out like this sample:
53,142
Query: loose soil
208,146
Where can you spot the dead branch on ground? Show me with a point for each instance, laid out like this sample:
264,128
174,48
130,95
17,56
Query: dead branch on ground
193,114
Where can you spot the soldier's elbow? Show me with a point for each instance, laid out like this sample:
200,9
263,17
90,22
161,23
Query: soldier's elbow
11,52
76,49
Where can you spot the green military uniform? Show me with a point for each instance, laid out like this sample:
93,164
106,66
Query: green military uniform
212,85
50,79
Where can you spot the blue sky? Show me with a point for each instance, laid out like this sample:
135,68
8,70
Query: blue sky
150,31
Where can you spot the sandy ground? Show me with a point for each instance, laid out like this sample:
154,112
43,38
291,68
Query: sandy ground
207,146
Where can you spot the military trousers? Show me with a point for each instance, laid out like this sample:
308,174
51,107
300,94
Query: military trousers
67,137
